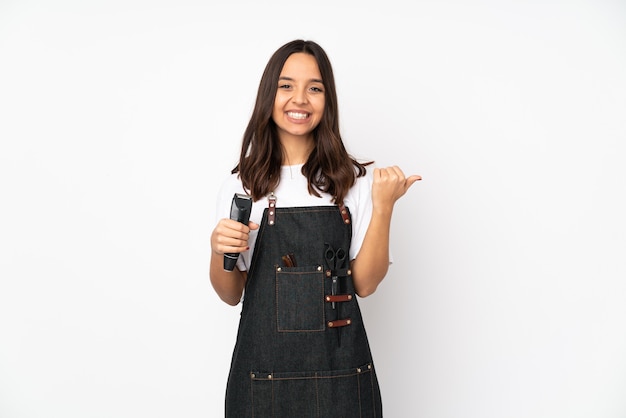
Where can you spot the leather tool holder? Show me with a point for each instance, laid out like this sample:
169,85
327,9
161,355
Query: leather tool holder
338,298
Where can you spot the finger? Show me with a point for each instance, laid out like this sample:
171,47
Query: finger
231,240
411,180
234,249
383,174
233,231
378,176
253,225
232,226
229,245
414,178
397,171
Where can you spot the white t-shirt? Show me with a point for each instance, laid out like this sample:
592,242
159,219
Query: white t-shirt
292,191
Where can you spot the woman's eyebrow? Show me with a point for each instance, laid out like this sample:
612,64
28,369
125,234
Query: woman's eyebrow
313,80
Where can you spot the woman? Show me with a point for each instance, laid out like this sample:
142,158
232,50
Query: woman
317,236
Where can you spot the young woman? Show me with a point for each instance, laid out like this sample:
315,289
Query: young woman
318,235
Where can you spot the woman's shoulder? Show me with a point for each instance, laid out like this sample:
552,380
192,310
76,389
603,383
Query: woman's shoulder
362,187
367,177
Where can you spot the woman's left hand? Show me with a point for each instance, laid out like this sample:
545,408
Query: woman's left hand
390,184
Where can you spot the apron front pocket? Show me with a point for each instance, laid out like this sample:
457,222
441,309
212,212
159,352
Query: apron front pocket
341,393
300,299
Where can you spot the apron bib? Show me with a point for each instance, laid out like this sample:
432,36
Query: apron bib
301,348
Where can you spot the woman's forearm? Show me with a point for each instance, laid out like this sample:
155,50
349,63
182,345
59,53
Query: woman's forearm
228,285
372,262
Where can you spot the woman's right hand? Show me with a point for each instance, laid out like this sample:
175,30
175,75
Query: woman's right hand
230,236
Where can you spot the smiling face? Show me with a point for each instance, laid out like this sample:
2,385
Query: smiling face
300,98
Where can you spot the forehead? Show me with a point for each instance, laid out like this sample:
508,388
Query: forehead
301,65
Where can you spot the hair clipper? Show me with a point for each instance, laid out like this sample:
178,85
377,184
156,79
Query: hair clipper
239,211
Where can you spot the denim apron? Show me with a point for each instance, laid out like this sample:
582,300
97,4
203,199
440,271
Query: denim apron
301,348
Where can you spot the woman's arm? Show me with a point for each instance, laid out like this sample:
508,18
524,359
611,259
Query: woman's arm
372,262
229,236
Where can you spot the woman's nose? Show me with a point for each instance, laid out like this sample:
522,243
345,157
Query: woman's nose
299,96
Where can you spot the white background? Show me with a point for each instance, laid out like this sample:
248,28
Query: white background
119,120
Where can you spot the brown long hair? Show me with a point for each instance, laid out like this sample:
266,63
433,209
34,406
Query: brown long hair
329,167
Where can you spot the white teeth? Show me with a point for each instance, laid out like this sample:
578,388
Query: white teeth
297,115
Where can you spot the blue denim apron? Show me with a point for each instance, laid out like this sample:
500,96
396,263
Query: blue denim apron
301,348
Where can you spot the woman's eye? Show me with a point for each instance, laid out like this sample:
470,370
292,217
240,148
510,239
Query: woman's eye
317,89
284,86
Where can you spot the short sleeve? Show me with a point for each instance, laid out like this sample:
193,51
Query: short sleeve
359,201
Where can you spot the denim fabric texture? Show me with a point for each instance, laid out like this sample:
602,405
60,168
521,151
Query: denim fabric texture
288,362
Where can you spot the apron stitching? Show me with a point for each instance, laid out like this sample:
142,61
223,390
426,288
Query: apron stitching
252,395
372,387
317,396
272,383
358,385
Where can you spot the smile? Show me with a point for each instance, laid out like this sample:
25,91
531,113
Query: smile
297,115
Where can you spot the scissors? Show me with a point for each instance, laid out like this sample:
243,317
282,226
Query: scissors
335,260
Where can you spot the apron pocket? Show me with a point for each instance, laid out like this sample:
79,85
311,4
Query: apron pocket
300,299
342,393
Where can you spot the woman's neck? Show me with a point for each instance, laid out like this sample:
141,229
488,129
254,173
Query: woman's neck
296,152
